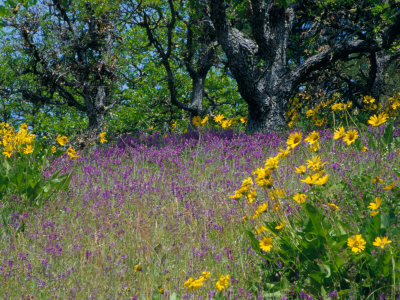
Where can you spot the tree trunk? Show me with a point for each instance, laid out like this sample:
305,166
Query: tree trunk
94,102
270,114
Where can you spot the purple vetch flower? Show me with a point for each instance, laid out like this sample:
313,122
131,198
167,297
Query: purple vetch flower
333,294
218,257
279,263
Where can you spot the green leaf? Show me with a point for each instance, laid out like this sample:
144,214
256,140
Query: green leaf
315,219
387,137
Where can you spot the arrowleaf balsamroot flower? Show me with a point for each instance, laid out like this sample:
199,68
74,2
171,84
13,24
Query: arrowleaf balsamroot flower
196,121
377,120
223,282
137,268
312,138
280,226
62,140
333,206
374,213
356,243
375,205
315,164
219,118
339,133
390,187
294,139
28,149
236,196
72,153
266,244
381,242
272,163
103,137
316,178
300,198
350,137
301,170
377,179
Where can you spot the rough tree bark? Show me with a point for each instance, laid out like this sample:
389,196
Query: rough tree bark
260,66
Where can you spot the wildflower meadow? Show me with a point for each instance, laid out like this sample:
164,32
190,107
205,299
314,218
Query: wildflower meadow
212,213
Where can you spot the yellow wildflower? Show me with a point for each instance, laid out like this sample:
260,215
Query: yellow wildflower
284,152
322,180
368,100
350,137
28,149
315,164
375,205
300,198
312,138
219,118
251,195
280,226
8,150
377,120
374,213
137,268
390,187
223,282
71,152
226,123
246,185
376,179
62,140
339,133
337,106
236,196
301,170
333,206
294,139
206,274
266,244
261,229
243,119
272,163
196,121
103,137
204,120
356,243
381,242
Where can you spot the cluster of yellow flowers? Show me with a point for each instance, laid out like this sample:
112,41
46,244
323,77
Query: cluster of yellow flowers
20,141
63,140
313,140
198,121
223,282
219,119
103,137
225,123
357,242
370,104
194,284
349,136
316,176
314,112
393,104
292,114
341,106
377,120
